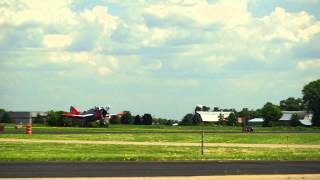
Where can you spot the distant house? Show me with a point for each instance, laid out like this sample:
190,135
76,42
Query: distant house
305,118
212,116
25,117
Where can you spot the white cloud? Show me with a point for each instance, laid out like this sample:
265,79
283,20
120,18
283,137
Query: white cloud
101,16
308,64
36,11
104,71
157,65
56,41
224,12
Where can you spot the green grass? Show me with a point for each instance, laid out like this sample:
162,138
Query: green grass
88,152
160,128
310,138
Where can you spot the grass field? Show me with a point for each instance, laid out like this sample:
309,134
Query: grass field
303,138
88,152
31,151
162,128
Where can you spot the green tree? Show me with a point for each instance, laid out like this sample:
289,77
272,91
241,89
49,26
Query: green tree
187,119
294,121
147,119
126,118
52,118
5,116
221,120
232,120
311,99
292,104
137,120
196,119
271,114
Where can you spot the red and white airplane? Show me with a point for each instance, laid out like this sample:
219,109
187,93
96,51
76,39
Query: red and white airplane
95,114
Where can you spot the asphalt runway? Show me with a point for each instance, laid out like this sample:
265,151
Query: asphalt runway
153,169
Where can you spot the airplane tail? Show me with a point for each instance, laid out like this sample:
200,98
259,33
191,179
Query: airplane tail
74,110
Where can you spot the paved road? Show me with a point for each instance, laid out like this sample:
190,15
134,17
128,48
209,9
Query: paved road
142,169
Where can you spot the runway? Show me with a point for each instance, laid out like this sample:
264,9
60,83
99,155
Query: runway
154,169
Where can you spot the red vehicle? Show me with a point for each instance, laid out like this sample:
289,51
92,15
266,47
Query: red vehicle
247,129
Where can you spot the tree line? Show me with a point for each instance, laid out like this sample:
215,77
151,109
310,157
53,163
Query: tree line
271,113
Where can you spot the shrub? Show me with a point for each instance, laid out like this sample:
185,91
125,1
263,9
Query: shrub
114,119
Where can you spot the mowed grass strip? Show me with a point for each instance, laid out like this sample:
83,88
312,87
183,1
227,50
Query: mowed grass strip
90,152
183,137
161,128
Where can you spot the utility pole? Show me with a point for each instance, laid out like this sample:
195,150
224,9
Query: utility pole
202,151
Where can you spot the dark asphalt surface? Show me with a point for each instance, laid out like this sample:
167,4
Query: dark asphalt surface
140,169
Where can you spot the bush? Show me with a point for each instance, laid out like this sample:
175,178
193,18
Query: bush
126,118
114,119
232,120
294,121
55,118
187,119
5,116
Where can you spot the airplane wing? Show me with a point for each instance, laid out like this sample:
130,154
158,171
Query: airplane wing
80,116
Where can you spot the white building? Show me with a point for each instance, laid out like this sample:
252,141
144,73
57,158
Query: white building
305,117
207,116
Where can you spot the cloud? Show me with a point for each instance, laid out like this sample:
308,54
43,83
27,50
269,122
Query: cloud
308,64
56,41
202,12
104,71
157,65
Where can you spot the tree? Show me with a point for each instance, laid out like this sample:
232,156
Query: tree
137,120
271,114
126,118
5,116
221,120
294,121
147,119
52,118
114,119
292,104
311,99
187,119
196,119
232,120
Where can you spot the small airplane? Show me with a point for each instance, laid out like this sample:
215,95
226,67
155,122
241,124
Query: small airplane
98,114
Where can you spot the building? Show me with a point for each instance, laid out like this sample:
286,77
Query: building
26,117
305,117
207,116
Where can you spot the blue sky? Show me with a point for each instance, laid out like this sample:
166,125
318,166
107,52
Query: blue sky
162,57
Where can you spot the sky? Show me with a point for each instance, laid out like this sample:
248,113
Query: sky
153,56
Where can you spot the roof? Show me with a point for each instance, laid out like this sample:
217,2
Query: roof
212,116
306,120
256,120
286,115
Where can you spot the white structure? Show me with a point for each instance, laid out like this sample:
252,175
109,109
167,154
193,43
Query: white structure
256,120
212,116
306,117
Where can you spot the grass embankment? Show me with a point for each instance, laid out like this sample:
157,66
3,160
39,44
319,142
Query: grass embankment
89,152
160,128
158,137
